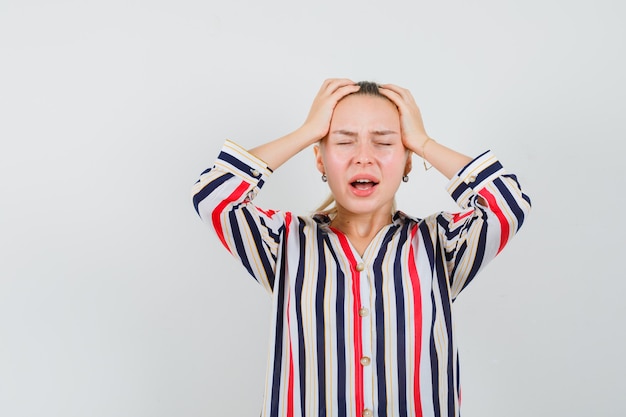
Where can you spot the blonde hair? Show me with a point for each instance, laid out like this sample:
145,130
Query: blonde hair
328,206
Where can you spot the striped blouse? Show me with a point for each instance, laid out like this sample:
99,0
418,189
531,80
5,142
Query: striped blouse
369,335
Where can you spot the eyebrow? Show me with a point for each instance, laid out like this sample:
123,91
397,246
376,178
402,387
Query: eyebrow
376,132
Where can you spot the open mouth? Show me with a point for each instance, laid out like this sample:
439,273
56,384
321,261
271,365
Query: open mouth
363,184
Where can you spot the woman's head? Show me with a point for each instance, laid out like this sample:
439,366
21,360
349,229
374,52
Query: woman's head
363,156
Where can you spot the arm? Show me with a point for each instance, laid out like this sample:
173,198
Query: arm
315,127
494,209
415,138
494,206
223,195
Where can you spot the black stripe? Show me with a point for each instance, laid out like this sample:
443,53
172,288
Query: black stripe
400,325
270,232
460,189
442,282
319,315
428,243
488,171
380,322
458,253
298,303
443,224
238,164
209,188
240,248
278,341
458,375
478,259
482,175
342,395
511,201
434,359
465,167
259,246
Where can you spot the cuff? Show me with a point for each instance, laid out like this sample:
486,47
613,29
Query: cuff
474,177
238,161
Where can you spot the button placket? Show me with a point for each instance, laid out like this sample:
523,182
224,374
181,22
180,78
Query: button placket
365,360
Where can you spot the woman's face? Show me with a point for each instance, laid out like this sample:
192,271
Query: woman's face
363,155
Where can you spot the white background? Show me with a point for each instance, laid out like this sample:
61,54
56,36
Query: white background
115,300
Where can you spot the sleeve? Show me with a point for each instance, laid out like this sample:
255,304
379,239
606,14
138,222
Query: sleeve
223,198
493,210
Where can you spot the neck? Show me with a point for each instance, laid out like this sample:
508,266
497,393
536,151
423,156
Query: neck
364,225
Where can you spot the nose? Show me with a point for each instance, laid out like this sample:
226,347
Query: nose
363,154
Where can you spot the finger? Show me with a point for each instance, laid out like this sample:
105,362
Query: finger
402,92
392,95
332,84
343,91
394,87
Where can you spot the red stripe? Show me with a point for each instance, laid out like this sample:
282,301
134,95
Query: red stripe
268,213
459,216
290,380
217,213
358,340
290,383
504,224
287,224
417,317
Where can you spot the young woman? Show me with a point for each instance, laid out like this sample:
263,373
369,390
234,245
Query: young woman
362,294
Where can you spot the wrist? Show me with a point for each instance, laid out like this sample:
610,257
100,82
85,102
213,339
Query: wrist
423,155
309,134
423,147
418,145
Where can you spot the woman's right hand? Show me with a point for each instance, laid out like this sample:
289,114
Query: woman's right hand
315,127
317,122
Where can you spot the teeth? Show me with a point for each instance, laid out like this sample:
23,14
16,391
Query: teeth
363,181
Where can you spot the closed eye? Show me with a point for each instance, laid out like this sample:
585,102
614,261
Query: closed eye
385,137
342,139
386,141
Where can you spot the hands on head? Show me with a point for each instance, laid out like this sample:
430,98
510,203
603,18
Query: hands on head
317,124
321,113
334,89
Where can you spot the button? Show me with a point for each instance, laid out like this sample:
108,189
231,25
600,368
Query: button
368,413
363,311
471,178
360,267
255,173
365,361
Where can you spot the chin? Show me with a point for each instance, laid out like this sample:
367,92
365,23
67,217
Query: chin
365,207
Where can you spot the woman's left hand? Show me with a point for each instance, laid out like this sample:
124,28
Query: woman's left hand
414,134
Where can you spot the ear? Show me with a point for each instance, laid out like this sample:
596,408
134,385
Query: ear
318,159
409,164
